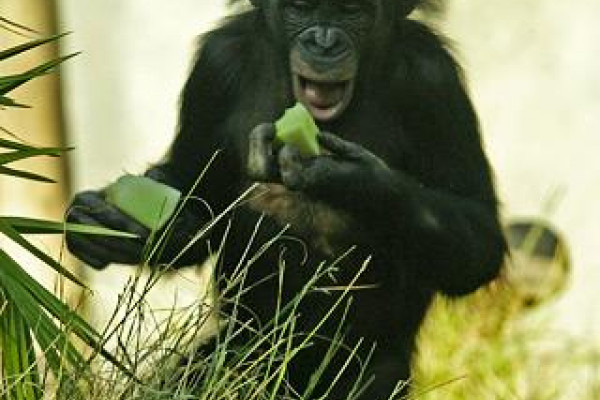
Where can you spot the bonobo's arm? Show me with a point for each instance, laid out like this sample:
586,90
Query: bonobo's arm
453,241
203,106
454,235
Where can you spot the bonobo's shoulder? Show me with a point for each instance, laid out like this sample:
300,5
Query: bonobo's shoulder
413,33
233,32
223,51
424,52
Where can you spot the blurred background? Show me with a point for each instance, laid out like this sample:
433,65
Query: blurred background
533,69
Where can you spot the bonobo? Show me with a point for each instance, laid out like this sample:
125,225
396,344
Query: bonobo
402,176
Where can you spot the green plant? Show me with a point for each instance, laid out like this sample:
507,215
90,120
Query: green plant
30,315
170,368
486,346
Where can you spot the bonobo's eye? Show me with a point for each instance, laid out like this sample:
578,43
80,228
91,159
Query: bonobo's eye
352,6
302,5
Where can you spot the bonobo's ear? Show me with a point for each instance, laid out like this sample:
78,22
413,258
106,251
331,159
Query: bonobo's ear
405,7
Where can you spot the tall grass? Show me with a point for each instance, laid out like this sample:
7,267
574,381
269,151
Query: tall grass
484,346
174,364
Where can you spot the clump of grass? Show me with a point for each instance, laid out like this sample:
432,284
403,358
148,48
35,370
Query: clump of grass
487,347
175,365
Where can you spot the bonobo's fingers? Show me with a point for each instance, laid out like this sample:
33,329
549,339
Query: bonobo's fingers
97,255
90,208
262,162
291,167
122,250
339,146
348,150
87,251
93,204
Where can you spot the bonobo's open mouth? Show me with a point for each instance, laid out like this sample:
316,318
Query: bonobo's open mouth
325,99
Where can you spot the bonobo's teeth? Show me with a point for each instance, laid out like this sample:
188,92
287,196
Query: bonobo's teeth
325,99
324,95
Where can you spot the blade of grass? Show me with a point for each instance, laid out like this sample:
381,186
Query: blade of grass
13,24
352,356
16,173
37,226
279,378
8,102
11,82
17,144
4,54
336,344
163,238
12,135
10,351
28,372
13,274
14,145
18,358
13,235
329,313
21,287
17,155
290,311
53,341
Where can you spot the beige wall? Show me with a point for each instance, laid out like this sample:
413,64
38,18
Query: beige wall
122,91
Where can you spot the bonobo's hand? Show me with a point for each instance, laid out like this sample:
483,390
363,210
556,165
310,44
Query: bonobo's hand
343,164
91,208
262,159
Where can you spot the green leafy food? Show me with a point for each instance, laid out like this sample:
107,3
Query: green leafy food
297,127
149,202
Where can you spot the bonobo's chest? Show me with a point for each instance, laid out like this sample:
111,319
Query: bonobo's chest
321,226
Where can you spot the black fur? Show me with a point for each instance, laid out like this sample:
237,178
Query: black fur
408,184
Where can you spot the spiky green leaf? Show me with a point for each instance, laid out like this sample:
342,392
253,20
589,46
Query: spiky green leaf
8,102
37,226
24,174
15,236
28,46
30,295
17,155
8,83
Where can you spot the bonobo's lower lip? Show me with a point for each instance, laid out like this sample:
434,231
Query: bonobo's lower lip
325,100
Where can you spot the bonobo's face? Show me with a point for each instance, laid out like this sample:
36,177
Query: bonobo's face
325,40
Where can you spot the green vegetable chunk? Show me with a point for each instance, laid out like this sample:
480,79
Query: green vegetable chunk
297,127
149,202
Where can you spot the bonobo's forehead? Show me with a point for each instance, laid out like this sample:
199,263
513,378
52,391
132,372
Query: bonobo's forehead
347,1
332,2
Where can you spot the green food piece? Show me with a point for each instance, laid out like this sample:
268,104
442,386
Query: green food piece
297,127
149,202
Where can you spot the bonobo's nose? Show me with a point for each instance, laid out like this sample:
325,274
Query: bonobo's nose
324,41
326,37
